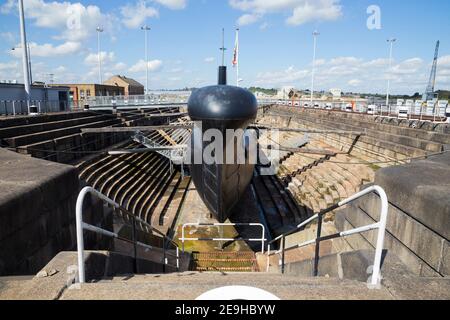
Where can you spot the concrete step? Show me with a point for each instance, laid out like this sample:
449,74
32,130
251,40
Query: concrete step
225,261
9,132
190,285
374,124
391,144
19,121
28,139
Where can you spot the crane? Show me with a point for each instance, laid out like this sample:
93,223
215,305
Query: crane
429,93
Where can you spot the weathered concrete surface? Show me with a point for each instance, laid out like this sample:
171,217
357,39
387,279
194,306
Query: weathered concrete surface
190,285
418,225
37,210
61,272
422,189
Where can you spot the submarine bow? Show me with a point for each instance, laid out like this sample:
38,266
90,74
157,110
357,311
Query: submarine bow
221,184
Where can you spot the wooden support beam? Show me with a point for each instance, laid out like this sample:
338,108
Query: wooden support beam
268,127
163,115
138,128
303,150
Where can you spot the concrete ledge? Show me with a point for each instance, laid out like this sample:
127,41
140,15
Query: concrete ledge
353,217
422,189
37,204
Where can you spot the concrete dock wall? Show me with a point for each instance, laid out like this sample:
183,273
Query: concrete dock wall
418,226
37,212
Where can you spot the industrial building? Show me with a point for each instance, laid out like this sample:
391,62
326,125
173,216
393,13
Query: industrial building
131,86
48,99
82,91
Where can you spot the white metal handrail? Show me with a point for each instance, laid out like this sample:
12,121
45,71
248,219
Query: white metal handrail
80,225
381,226
262,239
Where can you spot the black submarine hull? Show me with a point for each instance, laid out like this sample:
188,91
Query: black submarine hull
221,184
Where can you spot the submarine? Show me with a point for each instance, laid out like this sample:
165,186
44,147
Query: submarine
221,184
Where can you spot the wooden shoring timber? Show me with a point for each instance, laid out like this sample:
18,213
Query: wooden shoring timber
137,128
318,131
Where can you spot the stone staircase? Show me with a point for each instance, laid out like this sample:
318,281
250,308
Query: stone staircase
225,261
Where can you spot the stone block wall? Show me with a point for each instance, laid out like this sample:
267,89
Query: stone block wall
37,212
418,225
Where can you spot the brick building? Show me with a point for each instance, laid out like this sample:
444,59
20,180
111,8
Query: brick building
132,87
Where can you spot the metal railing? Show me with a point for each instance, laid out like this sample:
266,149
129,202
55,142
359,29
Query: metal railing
436,114
138,100
262,239
20,107
381,226
136,221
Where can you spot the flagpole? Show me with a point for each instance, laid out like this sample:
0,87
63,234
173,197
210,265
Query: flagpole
237,57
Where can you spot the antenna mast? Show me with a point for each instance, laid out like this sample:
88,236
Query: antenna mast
223,47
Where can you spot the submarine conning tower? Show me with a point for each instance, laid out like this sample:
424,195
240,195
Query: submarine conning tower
221,107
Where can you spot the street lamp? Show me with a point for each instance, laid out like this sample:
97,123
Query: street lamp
391,42
315,34
99,30
25,60
146,29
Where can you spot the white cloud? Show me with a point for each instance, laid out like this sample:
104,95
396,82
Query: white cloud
9,65
8,6
134,16
140,66
410,66
173,4
119,66
247,19
74,21
264,26
289,76
210,59
302,11
92,58
359,75
317,10
7,36
354,82
48,50
339,61
444,61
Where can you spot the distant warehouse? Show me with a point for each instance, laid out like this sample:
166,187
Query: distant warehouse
83,91
132,87
46,98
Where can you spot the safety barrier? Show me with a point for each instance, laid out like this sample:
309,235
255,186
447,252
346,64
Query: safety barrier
381,226
262,239
80,225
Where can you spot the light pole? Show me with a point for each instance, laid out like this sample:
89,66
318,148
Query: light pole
391,42
99,30
146,29
25,59
315,34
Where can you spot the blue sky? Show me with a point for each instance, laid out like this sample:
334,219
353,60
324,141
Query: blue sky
275,41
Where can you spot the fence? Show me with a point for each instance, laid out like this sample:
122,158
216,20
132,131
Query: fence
135,222
262,239
381,226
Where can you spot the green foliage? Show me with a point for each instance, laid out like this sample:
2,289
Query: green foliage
271,92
